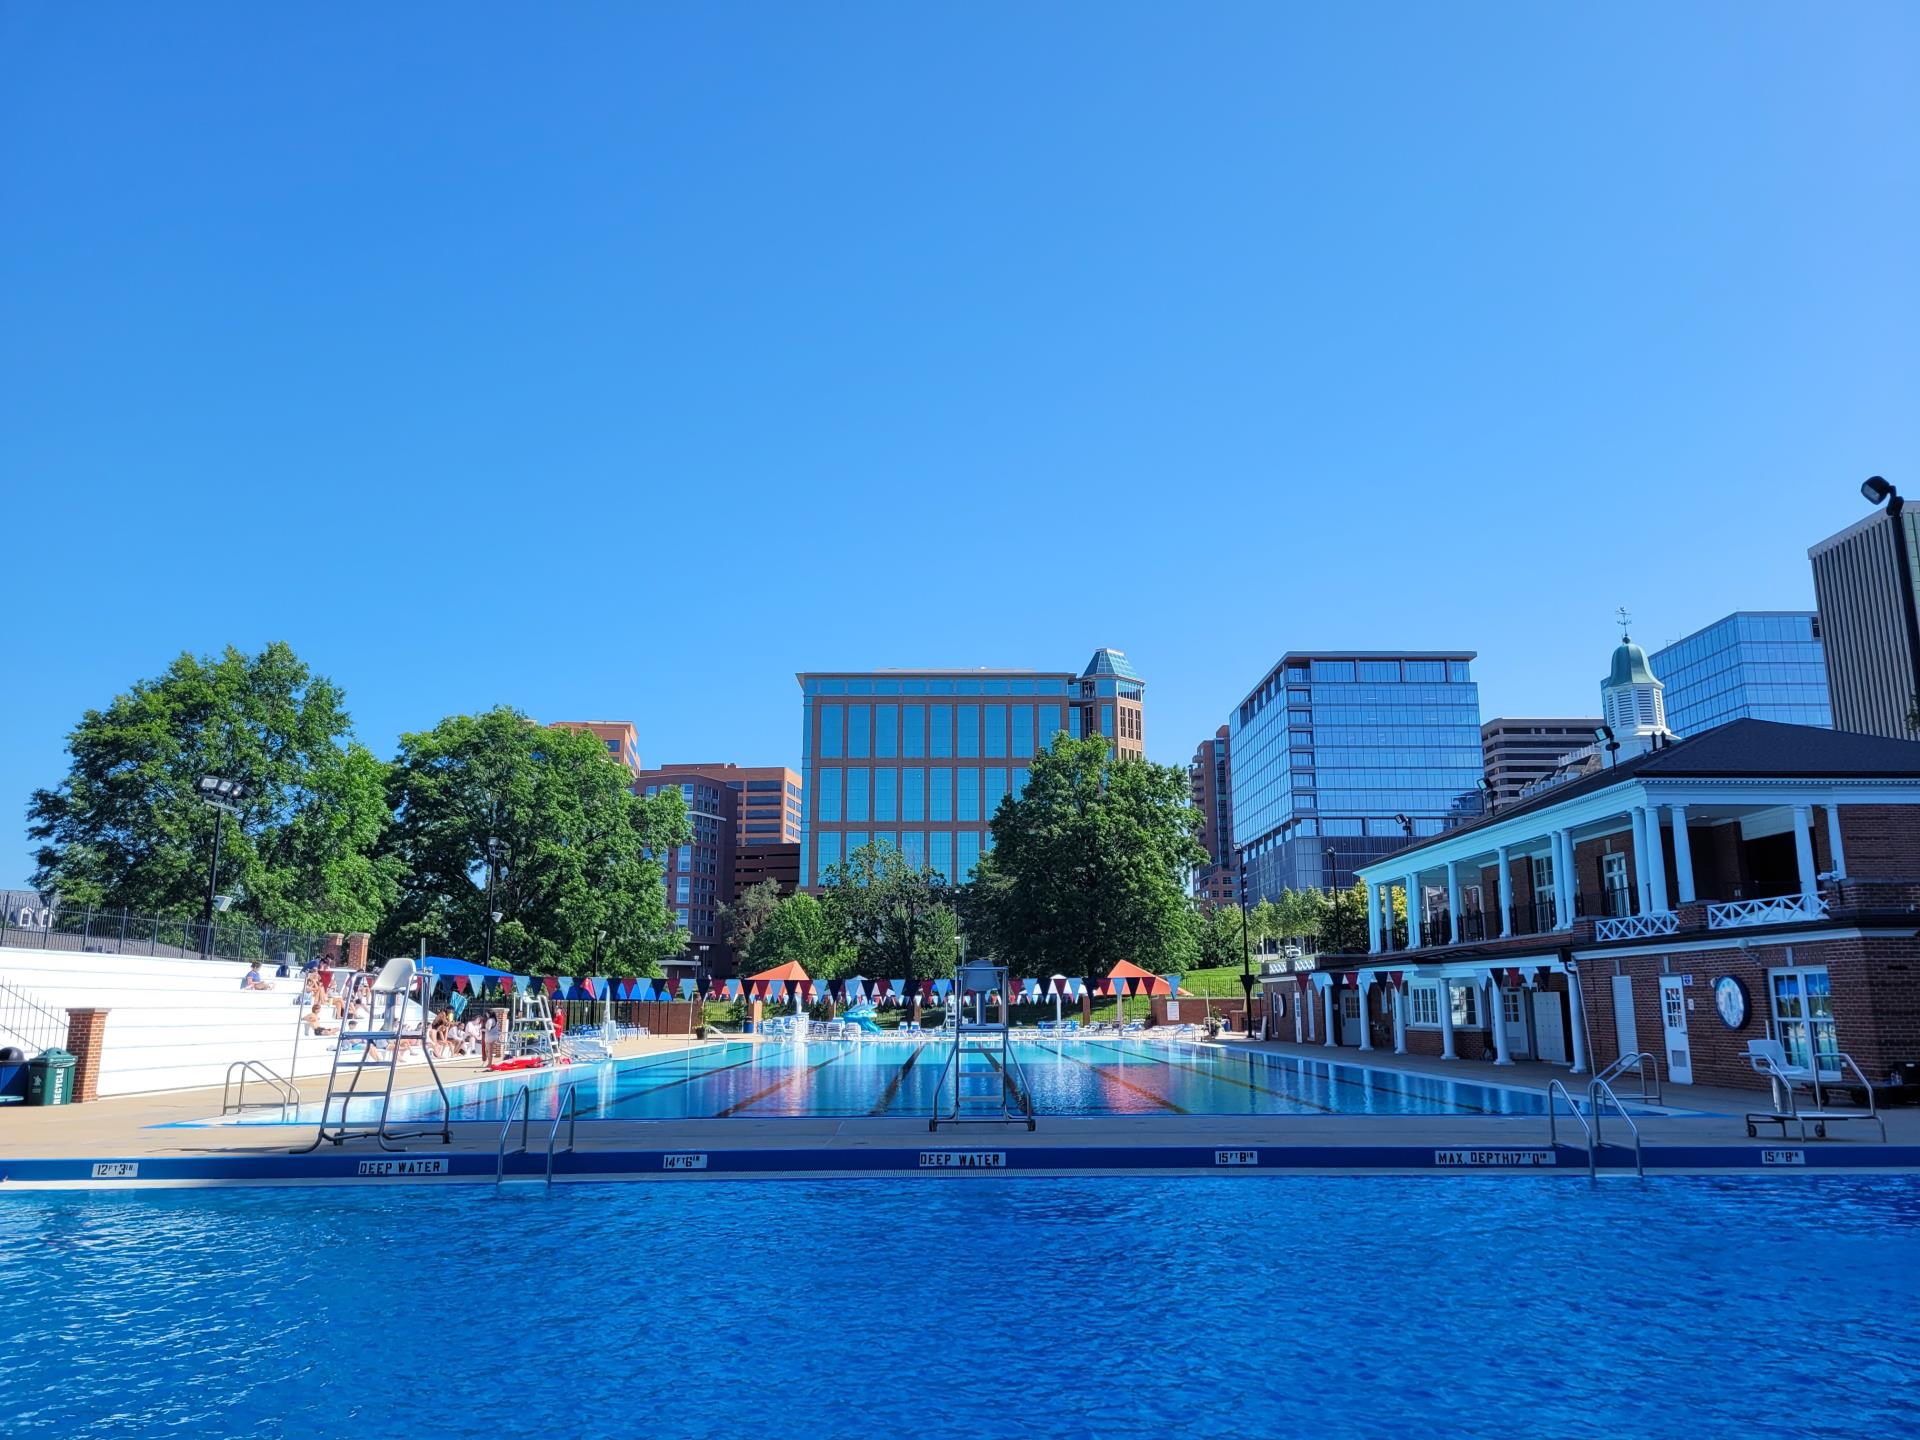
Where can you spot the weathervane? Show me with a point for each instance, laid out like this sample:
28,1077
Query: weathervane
1622,623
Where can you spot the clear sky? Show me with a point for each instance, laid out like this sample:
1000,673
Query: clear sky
619,361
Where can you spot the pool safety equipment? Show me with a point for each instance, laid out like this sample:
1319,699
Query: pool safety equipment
982,1082
383,1020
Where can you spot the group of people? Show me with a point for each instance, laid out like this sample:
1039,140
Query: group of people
451,1039
327,1011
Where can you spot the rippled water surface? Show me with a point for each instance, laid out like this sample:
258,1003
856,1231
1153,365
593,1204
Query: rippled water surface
1250,1306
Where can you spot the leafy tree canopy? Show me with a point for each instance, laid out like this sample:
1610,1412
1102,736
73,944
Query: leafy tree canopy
574,881
800,929
1088,866
750,909
900,920
127,828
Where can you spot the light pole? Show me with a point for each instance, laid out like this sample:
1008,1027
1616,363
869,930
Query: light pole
1878,492
493,864
1246,949
224,796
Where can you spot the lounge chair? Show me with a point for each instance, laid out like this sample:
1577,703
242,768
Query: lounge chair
1785,1080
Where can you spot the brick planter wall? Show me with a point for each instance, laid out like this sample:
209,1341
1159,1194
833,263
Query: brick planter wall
86,1040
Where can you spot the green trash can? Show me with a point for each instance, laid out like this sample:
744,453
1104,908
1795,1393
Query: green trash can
50,1078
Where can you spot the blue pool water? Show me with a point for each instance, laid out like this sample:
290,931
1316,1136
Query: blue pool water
1073,1077
1244,1307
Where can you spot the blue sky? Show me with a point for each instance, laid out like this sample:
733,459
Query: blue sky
619,361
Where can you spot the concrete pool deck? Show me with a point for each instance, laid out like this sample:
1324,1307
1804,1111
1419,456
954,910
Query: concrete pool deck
149,1140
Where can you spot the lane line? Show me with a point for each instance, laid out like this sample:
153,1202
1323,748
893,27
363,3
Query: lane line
781,1084
885,1102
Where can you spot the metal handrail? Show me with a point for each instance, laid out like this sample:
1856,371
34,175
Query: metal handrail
1595,1090
231,1103
567,1110
521,1101
1554,1087
1640,1062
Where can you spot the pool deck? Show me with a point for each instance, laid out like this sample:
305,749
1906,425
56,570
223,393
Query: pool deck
141,1141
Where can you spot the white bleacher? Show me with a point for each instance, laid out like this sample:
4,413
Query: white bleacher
173,1024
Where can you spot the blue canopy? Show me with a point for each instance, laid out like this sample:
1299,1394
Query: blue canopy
444,966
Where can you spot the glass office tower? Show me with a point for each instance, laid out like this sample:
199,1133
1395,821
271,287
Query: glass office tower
1753,665
921,759
1339,755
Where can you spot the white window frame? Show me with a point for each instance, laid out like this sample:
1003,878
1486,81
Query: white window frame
1423,1005
1777,1024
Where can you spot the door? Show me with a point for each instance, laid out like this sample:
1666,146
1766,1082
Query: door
1625,1033
1350,1021
1673,1028
1513,1015
1549,1033
1802,1012
1613,882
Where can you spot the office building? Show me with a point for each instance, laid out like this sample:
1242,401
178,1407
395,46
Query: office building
699,874
1209,775
770,811
753,864
1340,756
920,759
1753,665
1864,584
619,736
1520,752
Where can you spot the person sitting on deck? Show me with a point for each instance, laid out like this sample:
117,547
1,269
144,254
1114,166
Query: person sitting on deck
319,1016
253,980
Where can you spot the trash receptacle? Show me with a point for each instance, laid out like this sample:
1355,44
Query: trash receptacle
50,1078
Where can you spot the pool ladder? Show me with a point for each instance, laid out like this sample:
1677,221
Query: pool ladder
520,1105
1595,1091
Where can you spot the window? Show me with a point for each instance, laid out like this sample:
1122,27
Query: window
969,730
1543,886
913,793
1802,1004
940,744
1425,1005
826,793
913,846
830,720
859,726
995,777
1510,1006
969,855
967,782
913,731
1466,1004
886,786
940,844
1048,719
828,858
886,724
1019,780
994,739
940,803
680,889
1022,730
856,792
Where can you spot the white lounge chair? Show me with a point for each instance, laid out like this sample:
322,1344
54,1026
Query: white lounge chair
1784,1080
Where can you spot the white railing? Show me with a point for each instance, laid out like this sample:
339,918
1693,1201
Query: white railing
1770,911
1636,927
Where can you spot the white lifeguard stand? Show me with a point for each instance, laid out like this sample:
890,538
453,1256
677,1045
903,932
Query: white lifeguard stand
381,1015
981,1083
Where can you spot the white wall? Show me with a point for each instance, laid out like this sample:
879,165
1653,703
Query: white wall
172,1024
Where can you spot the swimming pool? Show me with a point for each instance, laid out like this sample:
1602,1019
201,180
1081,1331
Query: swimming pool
1213,1306
1069,1077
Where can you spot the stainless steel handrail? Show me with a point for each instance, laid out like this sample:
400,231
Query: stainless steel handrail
1640,1062
231,1103
1595,1090
521,1101
1554,1087
565,1110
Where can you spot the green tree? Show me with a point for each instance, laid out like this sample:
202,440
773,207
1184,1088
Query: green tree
571,846
800,931
899,919
126,828
1087,866
742,920
1218,936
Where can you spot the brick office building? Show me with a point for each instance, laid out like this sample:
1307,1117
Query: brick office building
1210,781
699,874
1757,881
619,736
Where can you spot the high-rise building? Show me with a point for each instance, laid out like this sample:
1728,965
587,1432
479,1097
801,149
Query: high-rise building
619,736
1864,582
753,864
920,759
1518,752
699,874
1209,776
1753,665
1340,755
770,809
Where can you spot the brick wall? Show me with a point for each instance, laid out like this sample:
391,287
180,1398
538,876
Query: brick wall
86,1041
1881,841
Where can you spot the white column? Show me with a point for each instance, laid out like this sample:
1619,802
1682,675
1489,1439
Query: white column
1682,854
1366,1028
1562,880
1506,894
1503,1054
1399,998
1833,840
1656,860
1327,1014
1373,919
1803,850
1577,1011
1446,1020
1412,882
1453,901
1642,892
1299,1036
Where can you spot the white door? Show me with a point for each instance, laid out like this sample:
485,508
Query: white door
1625,1033
1513,1015
1548,1030
1673,1025
1350,1018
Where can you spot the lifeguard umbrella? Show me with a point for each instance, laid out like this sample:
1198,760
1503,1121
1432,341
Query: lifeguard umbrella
792,973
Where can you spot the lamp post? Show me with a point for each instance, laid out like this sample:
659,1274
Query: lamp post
224,796
1246,948
1604,735
1878,492
493,864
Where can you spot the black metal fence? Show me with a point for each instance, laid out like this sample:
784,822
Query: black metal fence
116,932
